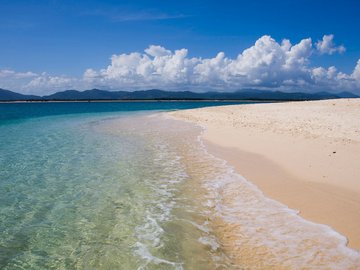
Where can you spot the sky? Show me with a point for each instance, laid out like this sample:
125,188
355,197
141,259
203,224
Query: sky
303,45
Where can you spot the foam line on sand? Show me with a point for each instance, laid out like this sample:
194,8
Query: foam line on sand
303,154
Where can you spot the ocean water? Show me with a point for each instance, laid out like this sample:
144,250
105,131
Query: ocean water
20,111
80,191
126,187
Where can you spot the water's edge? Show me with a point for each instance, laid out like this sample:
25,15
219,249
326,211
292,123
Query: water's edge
141,191
318,245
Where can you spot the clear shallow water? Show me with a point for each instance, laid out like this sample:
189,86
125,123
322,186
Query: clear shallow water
77,194
124,190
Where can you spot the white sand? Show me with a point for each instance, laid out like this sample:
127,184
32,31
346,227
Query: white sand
303,154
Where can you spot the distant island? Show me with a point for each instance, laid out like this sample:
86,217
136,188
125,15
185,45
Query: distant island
156,94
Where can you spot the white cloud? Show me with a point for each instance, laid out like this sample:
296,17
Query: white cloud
327,46
157,51
128,15
8,73
356,73
267,64
10,79
30,82
55,83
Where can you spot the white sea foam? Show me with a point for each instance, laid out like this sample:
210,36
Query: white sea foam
150,232
275,234
210,241
161,236
143,251
262,222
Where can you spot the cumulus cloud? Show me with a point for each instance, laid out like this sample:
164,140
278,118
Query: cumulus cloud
267,64
327,46
356,73
55,83
10,79
30,82
8,73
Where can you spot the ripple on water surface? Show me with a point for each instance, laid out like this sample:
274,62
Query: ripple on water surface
141,192
94,193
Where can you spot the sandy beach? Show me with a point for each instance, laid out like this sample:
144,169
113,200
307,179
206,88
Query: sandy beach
305,155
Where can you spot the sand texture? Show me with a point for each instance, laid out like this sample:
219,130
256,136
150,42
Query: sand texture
303,154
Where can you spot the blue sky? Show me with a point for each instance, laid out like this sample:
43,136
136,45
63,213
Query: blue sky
56,40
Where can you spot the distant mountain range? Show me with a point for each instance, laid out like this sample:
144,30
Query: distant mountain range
6,95
155,94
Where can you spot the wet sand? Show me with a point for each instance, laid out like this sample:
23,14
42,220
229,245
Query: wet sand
303,154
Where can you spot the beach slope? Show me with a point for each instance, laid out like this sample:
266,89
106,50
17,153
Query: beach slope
303,154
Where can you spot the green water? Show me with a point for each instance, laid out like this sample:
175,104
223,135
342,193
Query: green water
77,193
133,190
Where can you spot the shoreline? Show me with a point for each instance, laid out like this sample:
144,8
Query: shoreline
144,100
305,158
329,199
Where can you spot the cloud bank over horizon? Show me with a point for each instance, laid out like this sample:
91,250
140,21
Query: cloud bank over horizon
267,64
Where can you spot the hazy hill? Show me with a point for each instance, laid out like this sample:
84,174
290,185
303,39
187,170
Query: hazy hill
96,94
7,95
245,94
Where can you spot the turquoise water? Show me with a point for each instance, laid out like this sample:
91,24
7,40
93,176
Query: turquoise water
87,186
77,193
13,111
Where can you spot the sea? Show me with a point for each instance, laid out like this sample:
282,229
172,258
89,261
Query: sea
122,185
